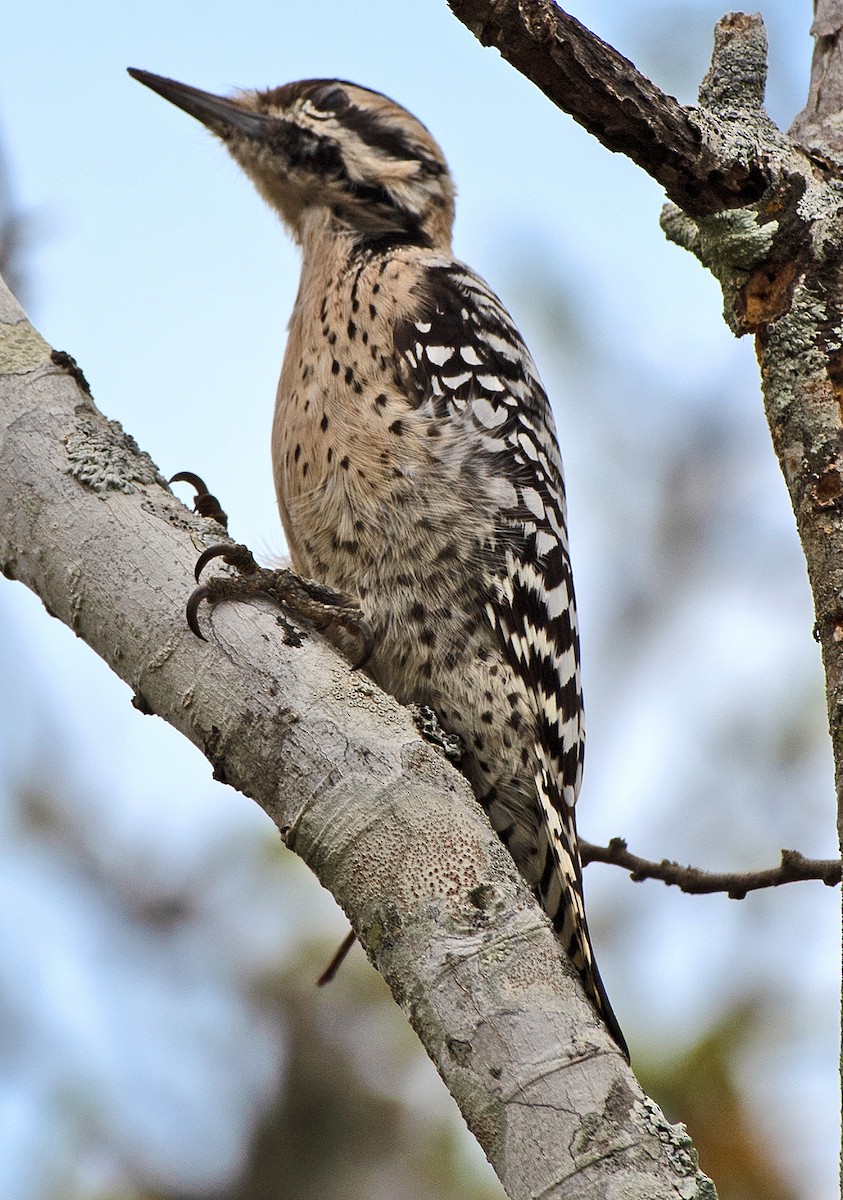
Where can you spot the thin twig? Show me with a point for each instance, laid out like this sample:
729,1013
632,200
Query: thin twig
794,867
338,959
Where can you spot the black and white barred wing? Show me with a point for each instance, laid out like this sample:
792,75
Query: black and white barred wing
464,357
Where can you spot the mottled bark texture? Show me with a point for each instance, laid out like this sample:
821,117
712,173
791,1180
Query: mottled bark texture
818,127
385,823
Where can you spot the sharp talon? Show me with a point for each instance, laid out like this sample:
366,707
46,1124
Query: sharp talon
217,551
188,477
192,610
317,603
231,553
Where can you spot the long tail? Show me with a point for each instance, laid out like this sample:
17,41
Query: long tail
560,894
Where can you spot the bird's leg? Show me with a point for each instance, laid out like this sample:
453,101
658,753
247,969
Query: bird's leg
317,603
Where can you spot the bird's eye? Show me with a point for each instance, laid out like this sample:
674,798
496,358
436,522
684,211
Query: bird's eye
330,100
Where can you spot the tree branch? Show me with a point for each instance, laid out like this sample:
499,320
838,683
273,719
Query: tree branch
88,523
610,98
818,127
793,868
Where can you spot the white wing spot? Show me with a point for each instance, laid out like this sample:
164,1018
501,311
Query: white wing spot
489,415
545,542
503,346
557,601
491,383
439,354
526,444
533,501
455,381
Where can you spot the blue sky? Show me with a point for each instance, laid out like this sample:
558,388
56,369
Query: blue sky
154,263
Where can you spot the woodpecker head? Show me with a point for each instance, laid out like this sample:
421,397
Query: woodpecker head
323,150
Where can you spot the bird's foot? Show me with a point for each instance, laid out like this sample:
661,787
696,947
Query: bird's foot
427,723
205,504
320,605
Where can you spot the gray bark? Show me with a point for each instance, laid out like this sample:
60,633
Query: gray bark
87,522
819,126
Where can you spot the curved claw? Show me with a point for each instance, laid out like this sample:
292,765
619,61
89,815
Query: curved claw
192,610
217,551
195,482
232,553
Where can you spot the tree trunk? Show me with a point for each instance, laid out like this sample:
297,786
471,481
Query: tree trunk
384,822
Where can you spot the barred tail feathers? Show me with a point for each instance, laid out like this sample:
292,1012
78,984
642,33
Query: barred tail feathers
560,894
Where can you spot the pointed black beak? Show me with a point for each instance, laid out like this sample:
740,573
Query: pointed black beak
218,113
